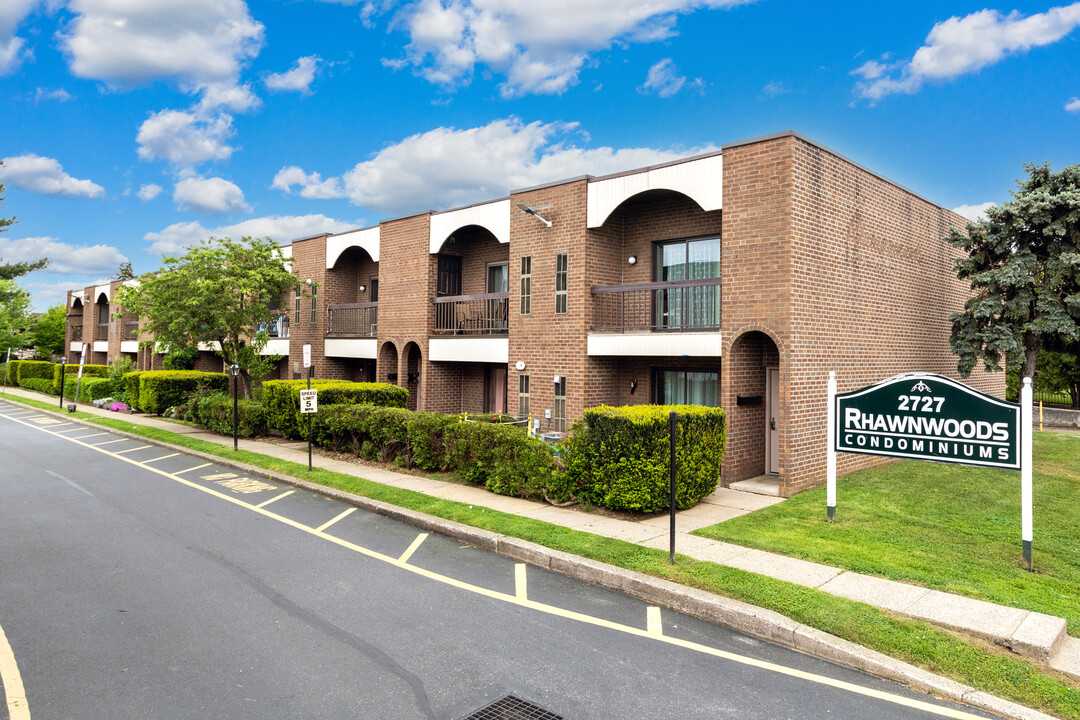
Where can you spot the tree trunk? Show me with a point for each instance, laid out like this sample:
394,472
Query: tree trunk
245,378
1031,357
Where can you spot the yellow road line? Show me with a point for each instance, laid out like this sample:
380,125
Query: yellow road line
18,707
162,457
197,467
521,591
653,625
550,609
275,499
413,547
328,523
140,447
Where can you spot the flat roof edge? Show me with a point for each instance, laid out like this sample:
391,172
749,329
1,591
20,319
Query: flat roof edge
658,166
470,205
554,183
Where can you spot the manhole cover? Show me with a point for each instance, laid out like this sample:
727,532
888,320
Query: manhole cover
512,708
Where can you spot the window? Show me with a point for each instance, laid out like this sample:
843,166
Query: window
561,268
696,306
558,420
686,387
523,396
526,285
373,288
314,302
296,314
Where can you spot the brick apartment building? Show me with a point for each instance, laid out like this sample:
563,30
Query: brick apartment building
738,278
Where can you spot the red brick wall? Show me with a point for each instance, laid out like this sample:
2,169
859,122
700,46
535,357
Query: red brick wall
309,263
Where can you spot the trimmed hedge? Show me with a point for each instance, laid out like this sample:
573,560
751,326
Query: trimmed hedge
34,369
282,400
131,383
161,389
73,371
13,371
618,457
93,388
215,412
39,384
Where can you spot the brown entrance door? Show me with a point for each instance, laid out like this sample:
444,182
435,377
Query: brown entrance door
449,277
772,420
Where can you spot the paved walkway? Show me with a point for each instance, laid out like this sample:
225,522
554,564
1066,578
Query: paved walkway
1040,637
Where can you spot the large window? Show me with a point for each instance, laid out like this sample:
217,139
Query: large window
562,262
296,314
686,387
558,418
523,396
526,285
314,301
685,261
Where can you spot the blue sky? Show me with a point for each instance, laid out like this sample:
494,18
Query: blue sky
132,128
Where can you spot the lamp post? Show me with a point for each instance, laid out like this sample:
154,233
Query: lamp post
235,370
63,367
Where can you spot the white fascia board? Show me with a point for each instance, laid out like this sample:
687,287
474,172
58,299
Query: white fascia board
654,344
214,346
101,346
129,346
367,239
102,289
364,348
468,349
493,217
276,346
75,346
73,297
701,180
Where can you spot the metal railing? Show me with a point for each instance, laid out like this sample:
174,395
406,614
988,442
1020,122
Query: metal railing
679,306
277,328
352,320
483,314
131,330
102,331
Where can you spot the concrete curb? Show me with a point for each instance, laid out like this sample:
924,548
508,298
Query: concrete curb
734,614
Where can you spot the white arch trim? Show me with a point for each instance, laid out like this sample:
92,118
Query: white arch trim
701,180
368,239
493,217
76,299
102,290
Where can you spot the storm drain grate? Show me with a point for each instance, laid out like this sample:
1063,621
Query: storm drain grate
512,708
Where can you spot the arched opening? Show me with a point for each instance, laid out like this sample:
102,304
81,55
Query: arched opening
753,401
102,314
471,283
387,370
355,279
413,363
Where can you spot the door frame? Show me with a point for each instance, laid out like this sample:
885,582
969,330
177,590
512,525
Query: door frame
772,421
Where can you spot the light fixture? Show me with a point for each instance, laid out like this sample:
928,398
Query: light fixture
632,259
532,211
363,288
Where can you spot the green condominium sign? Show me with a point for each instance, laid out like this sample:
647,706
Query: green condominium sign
929,417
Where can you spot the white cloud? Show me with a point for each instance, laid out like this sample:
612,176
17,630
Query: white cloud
282,228
1073,105
663,79
185,139
311,186
209,196
60,95
532,44
974,213
12,47
197,43
64,258
238,98
149,192
447,167
45,176
298,78
964,45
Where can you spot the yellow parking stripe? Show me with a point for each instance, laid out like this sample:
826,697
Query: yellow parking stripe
653,624
17,706
275,499
108,442
197,467
327,524
140,447
521,591
161,458
413,547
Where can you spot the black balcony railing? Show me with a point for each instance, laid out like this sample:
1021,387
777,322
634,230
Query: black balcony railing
471,314
352,320
679,306
278,327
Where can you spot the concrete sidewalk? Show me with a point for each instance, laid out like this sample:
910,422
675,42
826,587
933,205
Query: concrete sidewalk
1040,637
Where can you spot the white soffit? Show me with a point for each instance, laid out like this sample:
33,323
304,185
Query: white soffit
702,180
654,344
100,346
365,348
368,239
76,346
276,346
129,346
99,290
493,217
465,349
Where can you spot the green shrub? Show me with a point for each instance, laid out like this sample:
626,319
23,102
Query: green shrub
505,460
34,369
349,427
92,388
427,438
161,389
282,400
13,372
131,384
72,370
39,384
215,412
618,458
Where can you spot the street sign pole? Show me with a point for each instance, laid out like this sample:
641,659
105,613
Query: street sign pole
310,370
1025,472
78,383
830,454
673,424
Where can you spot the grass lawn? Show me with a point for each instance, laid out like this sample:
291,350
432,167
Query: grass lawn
973,663
948,527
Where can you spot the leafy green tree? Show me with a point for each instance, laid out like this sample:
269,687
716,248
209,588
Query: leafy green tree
47,334
1023,262
217,293
14,316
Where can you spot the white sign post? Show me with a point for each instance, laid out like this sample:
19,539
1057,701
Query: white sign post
311,394
1025,471
830,454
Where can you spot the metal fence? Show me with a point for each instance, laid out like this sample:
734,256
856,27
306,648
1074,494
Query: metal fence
352,320
684,305
483,314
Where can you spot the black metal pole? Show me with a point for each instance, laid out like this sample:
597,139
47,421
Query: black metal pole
235,403
672,427
310,372
63,367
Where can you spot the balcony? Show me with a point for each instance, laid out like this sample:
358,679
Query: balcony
483,314
679,318
131,330
278,327
352,320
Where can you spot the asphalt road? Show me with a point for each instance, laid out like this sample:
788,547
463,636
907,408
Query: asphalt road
138,583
